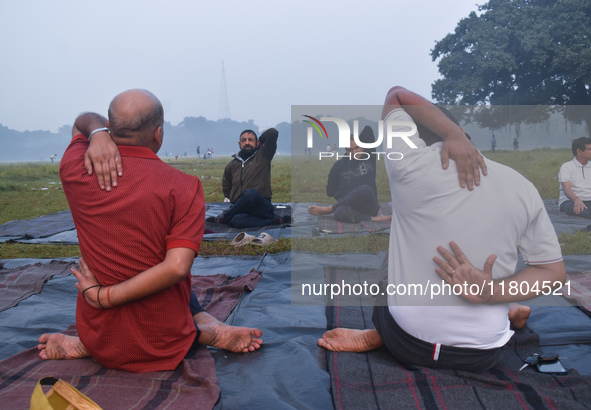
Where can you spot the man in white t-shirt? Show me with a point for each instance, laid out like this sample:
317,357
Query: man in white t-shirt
575,180
503,215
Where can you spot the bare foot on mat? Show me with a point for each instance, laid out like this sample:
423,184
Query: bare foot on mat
57,346
381,218
518,315
320,210
350,340
233,338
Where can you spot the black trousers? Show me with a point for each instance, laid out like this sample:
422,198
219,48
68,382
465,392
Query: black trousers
409,350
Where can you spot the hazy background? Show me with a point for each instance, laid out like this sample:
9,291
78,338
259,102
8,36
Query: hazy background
62,57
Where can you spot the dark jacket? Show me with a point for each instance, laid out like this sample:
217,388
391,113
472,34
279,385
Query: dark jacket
254,172
347,174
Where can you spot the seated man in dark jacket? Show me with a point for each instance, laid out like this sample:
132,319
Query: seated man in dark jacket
352,182
247,182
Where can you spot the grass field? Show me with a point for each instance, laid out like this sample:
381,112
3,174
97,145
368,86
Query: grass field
33,189
539,166
29,190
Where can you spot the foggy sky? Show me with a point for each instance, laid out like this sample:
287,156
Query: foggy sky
60,58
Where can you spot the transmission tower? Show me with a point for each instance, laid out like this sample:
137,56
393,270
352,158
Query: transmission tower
224,109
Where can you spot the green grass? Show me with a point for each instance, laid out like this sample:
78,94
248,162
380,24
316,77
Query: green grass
30,190
22,196
342,244
309,176
10,250
208,248
540,166
33,189
576,243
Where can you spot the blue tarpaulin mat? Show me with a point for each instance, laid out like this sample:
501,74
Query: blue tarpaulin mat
289,370
58,228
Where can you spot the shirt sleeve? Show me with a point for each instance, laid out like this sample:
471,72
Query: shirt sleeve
269,142
227,181
539,244
565,173
72,161
189,217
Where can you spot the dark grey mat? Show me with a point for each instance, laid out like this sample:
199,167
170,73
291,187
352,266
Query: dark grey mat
214,231
306,225
561,221
17,284
42,227
376,380
58,228
565,330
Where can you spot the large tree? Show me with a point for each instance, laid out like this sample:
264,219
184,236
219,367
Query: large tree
517,52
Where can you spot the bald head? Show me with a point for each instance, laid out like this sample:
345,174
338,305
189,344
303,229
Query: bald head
134,117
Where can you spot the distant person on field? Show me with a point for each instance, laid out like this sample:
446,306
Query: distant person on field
135,309
515,144
575,180
493,143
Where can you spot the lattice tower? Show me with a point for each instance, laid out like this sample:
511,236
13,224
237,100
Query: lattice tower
224,108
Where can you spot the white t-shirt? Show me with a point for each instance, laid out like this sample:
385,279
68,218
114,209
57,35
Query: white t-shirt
579,177
505,213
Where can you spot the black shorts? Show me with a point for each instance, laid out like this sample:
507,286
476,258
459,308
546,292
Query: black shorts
409,350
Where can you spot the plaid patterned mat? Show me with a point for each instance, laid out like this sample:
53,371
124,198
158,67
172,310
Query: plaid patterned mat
376,380
193,384
580,289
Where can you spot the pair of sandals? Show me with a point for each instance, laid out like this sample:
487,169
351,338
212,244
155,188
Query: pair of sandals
244,239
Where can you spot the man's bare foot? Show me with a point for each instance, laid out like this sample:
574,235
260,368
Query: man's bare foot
233,338
382,218
350,340
518,315
320,210
57,346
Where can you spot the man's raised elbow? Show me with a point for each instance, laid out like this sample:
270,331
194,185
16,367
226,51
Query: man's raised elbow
392,97
396,89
